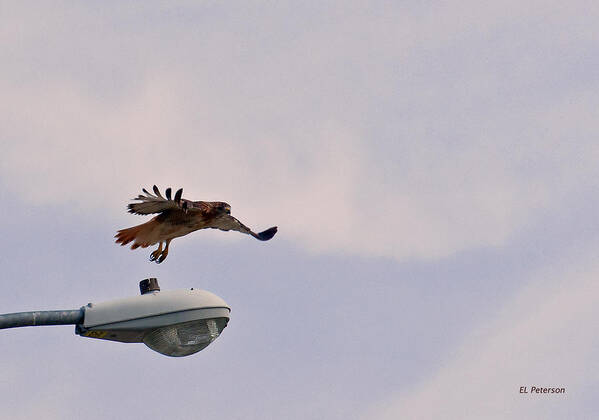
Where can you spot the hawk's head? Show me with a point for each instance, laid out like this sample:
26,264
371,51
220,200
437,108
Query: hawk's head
222,207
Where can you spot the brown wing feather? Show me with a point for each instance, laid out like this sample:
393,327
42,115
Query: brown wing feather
227,222
150,203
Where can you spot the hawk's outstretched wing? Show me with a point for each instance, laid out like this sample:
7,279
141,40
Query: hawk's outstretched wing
149,203
228,222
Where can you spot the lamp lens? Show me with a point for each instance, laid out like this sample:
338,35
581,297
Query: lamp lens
185,338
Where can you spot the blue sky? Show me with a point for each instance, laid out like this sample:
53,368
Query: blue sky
432,168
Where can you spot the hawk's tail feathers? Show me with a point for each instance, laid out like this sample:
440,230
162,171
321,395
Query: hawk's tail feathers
141,235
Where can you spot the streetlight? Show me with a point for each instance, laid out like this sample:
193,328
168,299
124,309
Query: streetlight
174,323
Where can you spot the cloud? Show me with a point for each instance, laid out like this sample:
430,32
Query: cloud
359,135
543,337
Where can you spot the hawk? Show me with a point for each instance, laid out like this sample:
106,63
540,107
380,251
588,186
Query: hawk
178,217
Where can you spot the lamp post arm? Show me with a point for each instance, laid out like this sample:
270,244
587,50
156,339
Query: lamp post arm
33,318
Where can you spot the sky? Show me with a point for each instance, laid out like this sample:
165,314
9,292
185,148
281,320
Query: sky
431,166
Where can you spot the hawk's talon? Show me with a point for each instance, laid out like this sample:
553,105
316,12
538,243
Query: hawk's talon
154,255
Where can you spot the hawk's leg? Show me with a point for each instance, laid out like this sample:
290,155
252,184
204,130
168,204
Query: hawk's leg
154,255
164,253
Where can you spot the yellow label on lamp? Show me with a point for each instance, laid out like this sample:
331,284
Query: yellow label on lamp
96,334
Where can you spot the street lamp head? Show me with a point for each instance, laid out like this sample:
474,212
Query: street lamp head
174,323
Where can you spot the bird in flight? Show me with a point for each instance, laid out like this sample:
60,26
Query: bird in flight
178,217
